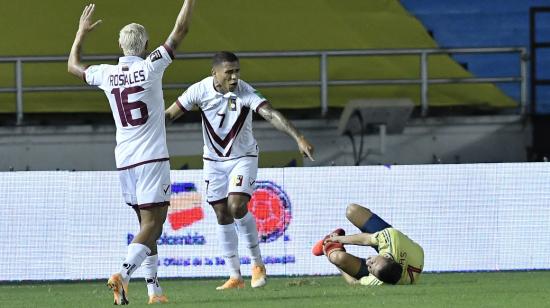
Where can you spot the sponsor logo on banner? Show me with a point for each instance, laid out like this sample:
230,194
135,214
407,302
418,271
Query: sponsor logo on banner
185,206
271,206
185,209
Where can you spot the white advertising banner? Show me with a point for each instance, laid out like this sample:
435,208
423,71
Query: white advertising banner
75,225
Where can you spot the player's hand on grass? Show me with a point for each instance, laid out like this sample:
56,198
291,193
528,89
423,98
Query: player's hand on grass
305,148
86,25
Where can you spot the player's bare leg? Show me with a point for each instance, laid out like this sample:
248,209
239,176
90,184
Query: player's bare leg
364,219
346,263
348,278
358,215
150,269
246,224
349,265
229,241
150,264
151,223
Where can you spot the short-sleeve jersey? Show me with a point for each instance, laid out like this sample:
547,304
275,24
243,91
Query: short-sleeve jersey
226,118
134,90
403,250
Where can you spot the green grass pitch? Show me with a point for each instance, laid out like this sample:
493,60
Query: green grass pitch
500,289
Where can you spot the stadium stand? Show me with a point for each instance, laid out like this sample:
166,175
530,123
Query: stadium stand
463,23
366,25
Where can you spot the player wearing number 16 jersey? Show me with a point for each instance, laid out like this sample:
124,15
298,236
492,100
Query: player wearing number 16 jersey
134,90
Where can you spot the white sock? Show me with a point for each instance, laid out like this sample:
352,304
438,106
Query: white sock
247,228
150,267
136,254
230,247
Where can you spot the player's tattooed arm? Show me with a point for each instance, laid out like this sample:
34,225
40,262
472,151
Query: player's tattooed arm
281,123
181,28
85,25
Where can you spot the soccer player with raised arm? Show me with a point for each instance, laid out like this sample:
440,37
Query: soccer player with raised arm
231,156
134,90
400,260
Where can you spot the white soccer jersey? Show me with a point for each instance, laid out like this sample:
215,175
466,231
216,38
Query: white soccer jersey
226,118
134,90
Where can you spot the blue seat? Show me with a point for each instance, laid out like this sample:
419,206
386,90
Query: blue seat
503,23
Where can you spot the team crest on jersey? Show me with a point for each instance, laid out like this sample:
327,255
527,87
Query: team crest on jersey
232,104
238,180
155,55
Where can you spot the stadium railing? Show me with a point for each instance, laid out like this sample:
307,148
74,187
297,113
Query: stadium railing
424,81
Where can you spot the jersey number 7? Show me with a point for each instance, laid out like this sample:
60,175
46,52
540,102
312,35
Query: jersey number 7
125,108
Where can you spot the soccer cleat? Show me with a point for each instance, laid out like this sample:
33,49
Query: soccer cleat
258,276
157,299
119,288
337,232
232,283
317,249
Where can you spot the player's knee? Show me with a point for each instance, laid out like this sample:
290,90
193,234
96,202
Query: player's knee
355,210
237,209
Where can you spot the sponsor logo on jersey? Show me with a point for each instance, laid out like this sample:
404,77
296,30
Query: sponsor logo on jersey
238,181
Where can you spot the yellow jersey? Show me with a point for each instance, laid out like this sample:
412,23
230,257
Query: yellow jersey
403,250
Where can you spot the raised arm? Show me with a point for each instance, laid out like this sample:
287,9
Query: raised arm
281,123
182,25
74,65
361,239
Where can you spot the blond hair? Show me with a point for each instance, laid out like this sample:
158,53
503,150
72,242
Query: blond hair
133,39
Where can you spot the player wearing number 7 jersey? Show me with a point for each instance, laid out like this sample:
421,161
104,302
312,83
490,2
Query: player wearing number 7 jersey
400,260
230,156
134,90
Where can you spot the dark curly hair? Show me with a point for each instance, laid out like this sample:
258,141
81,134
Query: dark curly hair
390,272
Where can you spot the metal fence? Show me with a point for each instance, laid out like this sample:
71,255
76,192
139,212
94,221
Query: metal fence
424,81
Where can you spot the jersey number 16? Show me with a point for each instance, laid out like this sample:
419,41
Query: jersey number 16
125,108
